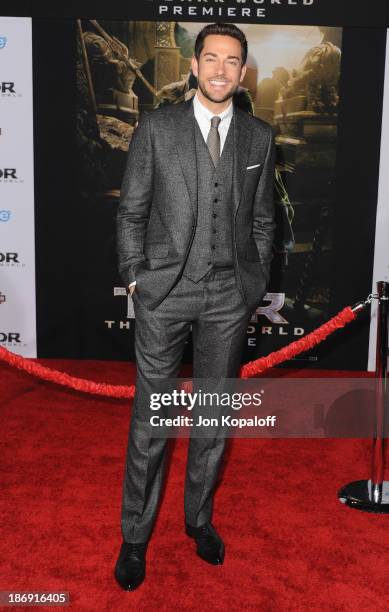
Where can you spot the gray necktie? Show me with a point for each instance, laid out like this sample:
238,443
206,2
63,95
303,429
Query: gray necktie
213,139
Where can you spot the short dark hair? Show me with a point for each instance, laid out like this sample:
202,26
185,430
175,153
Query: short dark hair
225,29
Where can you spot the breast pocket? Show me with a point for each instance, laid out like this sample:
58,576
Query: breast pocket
252,174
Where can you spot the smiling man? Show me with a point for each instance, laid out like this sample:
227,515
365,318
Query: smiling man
195,230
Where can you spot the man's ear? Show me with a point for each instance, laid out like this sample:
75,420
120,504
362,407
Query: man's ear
243,72
195,66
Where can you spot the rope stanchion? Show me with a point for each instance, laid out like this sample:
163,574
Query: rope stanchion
251,369
373,495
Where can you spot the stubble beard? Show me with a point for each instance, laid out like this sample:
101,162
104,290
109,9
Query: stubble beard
208,95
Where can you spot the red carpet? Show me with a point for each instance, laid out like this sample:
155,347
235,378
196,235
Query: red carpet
290,544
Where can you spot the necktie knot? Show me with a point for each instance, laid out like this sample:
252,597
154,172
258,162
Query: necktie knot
215,121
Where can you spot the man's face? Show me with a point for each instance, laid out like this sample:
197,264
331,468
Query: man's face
219,69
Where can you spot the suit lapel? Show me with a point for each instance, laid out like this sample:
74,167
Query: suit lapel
183,128
242,143
184,133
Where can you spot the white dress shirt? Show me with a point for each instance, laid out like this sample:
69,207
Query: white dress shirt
203,116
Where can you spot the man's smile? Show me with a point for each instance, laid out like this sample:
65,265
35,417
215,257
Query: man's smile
218,83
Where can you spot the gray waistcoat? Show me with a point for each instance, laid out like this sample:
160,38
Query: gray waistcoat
212,243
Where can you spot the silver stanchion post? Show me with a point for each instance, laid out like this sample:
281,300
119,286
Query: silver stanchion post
373,495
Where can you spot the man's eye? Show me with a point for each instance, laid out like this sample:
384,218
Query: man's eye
209,59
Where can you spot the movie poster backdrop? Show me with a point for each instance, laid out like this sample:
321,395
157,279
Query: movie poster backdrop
317,81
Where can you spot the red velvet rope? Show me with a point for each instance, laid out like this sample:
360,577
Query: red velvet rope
258,366
127,392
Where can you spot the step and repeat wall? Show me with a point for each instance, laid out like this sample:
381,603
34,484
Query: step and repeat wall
17,236
381,247
71,90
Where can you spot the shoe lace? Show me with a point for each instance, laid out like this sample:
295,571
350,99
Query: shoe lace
204,530
207,537
134,552
135,547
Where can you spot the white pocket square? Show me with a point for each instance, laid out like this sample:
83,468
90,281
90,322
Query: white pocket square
255,166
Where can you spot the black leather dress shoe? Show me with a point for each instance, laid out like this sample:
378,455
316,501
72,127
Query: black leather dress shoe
130,569
210,546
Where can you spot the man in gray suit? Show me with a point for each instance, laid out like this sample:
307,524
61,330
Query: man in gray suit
195,230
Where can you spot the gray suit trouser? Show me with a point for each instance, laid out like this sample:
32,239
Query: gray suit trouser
219,317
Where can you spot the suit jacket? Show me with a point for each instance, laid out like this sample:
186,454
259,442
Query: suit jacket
156,218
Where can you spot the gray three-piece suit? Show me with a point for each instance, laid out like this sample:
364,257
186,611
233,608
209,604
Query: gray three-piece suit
197,239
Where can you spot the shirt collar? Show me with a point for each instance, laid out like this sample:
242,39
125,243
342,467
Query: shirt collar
207,114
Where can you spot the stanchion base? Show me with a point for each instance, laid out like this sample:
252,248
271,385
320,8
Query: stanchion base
358,495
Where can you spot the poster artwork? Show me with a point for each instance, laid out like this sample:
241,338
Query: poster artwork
292,82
